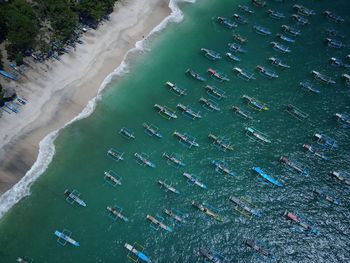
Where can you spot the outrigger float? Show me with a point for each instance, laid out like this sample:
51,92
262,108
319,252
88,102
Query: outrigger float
259,3
168,187
307,85
174,215
257,135
240,19
266,72
116,213
136,253
195,75
74,197
233,57
64,237
194,180
226,22
305,226
279,47
176,89
112,178
267,177
209,104
222,143
211,256
246,9
260,251
217,75
310,149
115,155
285,38
239,38
210,211
254,103
128,134
296,112
243,206
221,168
344,119
172,160
302,10
278,62
333,43
331,199
340,176
325,141
300,19
242,113
294,166
215,92
152,130
185,139
165,112
291,30
338,63
142,159
275,14
262,30
333,17
244,74
189,112
321,77
157,222
211,54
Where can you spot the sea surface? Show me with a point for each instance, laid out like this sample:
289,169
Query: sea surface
27,230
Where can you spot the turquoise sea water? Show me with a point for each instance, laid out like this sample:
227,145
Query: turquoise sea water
80,160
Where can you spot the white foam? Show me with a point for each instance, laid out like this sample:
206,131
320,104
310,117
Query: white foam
46,146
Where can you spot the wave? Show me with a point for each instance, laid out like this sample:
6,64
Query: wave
47,147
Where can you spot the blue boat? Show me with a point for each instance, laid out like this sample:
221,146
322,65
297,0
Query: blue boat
211,54
325,141
195,75
262,30
65,237
7,75
240,19
142,159
275,14
285,38
307,85
232,57
226,22
152,130
136,253
222,168
267,177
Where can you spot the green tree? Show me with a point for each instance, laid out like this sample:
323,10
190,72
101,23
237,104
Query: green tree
94,9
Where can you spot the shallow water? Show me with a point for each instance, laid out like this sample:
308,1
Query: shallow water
27,230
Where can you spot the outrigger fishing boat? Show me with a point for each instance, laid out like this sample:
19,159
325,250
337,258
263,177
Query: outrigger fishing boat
338,63
300,19
211,256
189,111
236,48
185,139
257,135
267,177
240,19
344,119
222,143
325,141
294,166
243,207
259,3
152,130
64,237
321,77
291,30
307,85
305,226
217,75
209,104
176,89
24,260
215,92
334,33
115,155
174,216
221,168
116,212
172,160
255,104
275,14
259,250
194,180
136,253
112,178
346,77
142,159
208,211
326,197
341,177
226,22
125,132
262,30
232,57
266,72
244,74
195,75
279,47
239,38
212,55
278,62
297,113
246,9
310,149
157,222
304,11
74,197
331,16
285,38
165,112
334,43
243,113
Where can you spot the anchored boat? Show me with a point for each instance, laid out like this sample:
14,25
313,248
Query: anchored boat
218,75
246,9
165,112
65,237
115,155
279,47
326,197
300,19
290,30
275,14
215,92
221,142
189,112
325,141
243,113
128,134
294,166
221,168
323,78
305,226
262,30
142,159
259,250
176,89
242,206
278,62
195,75
74,197
208,211
307,85
116,212
173,215
152,130
112,178
310,149
226,22
186,139
341,177
157,222
285,38
296,112
338,63
209,104
267,177
243,74
346,77
194,180
240,19
211,54
24,260
344,119
173,160
211,256
136,253
266,72
333,17
232,57
304,11
257,136
168,187
334,33
255,104
239,38
333,43
259,3
236,48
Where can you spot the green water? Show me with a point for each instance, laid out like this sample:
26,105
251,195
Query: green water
80,159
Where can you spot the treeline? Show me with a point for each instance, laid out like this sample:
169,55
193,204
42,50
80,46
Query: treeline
33,25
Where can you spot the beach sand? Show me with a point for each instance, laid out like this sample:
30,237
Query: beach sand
58,91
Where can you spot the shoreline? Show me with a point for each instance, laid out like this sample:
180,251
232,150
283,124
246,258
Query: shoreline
72,88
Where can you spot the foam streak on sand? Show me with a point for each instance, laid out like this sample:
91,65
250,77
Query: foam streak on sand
46,145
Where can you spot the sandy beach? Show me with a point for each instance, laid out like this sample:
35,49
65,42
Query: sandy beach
58,91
